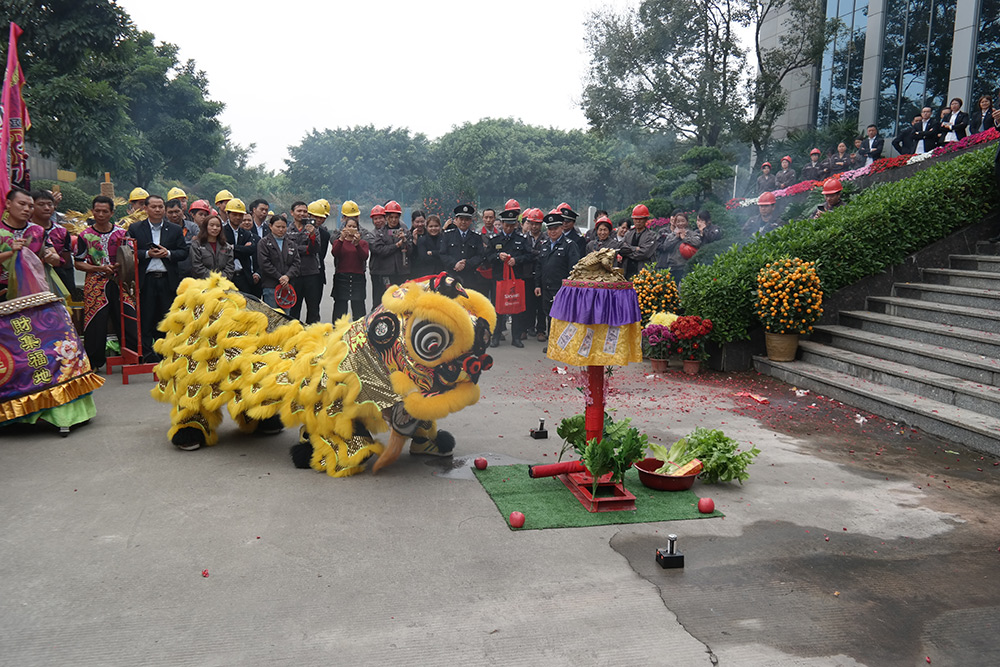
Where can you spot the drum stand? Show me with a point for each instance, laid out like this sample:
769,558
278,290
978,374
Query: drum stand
130,360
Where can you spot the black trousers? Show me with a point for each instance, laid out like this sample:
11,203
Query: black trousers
548,296
518,322
154,304
378,289
309,290
534,316
95,334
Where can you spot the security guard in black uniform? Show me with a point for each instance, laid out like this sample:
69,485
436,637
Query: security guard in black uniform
569,228
508,247
462,248
557,257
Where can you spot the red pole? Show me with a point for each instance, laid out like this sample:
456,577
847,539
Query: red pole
594,414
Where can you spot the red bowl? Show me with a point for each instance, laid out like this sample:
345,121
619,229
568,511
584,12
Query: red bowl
661,482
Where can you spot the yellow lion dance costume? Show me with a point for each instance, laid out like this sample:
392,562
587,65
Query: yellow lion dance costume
414,360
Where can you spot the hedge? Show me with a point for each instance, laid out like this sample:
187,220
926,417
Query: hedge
877,230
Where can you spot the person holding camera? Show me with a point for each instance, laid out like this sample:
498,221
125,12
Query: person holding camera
161,248
305,235
391,251
350,253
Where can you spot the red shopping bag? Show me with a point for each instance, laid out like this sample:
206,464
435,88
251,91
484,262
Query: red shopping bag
510,293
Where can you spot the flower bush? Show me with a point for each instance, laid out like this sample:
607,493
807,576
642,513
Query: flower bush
656,290
658,341
789,296
876,230
666,319
692,334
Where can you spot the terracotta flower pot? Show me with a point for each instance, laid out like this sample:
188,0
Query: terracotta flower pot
781,347
659,365
692,366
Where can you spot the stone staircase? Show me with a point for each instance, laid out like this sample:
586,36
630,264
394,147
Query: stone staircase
926,356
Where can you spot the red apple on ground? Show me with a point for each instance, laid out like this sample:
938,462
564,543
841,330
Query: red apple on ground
516,519
706,505
481,463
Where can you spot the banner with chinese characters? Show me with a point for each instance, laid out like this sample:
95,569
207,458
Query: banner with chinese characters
42,360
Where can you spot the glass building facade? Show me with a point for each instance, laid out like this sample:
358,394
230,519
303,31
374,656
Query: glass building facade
916,59
843,61
986,73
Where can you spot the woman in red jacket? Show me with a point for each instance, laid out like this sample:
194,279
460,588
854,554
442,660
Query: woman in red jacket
350,252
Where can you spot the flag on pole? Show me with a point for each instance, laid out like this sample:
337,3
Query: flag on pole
14,122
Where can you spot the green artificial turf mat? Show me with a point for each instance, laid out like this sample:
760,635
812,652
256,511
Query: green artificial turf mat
547,503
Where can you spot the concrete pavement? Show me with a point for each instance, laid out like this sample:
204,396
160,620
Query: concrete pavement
106,534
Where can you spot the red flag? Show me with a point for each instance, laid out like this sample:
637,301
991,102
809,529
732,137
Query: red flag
15,122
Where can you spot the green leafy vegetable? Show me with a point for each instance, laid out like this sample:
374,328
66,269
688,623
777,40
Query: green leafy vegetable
720,456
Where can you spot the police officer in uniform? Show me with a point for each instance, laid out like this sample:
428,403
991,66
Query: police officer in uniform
508,247
462,248
569,228
555,260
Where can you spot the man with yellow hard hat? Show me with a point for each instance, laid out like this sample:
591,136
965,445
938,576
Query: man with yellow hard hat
313,241
244,246
222,198
137,200
177,193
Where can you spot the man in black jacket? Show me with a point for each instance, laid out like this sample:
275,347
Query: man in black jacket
555,260
244,245
925,133
462,248
569,228
904,142
160,249
871,146
508,247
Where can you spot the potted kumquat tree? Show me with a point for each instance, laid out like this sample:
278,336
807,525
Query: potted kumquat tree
789,302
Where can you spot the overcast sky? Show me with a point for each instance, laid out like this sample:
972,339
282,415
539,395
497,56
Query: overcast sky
286,67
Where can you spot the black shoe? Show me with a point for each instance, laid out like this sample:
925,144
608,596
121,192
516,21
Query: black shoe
517,342
495,342
532,332
545,350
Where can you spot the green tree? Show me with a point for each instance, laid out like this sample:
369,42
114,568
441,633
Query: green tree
669,65
363,163
804,34
105,97
692,182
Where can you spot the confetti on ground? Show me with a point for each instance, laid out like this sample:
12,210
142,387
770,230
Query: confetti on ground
204,573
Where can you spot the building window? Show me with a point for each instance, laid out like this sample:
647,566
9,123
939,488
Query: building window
840,78
916,59
986,74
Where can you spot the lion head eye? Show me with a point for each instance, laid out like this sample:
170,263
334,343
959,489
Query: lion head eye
430,339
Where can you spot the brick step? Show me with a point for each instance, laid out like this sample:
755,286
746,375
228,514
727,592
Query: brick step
958,296
932,333
964,365
989,263
931,311
952,423
943,388
986,280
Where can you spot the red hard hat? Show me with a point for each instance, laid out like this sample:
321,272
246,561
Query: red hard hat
512,205
767,198
832,186
687,250
787,157
200,205
815,151
393,207
376,210
640,211
534,215
766,164
214,212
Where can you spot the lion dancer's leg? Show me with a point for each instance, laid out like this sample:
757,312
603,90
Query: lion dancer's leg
192,428
429,441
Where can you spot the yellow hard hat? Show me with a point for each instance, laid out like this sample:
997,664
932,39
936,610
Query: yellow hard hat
223,195
350,209
176,193
235,206
137,194
317,211
325,204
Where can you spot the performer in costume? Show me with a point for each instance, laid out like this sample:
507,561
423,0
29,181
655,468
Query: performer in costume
415,359
96,250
